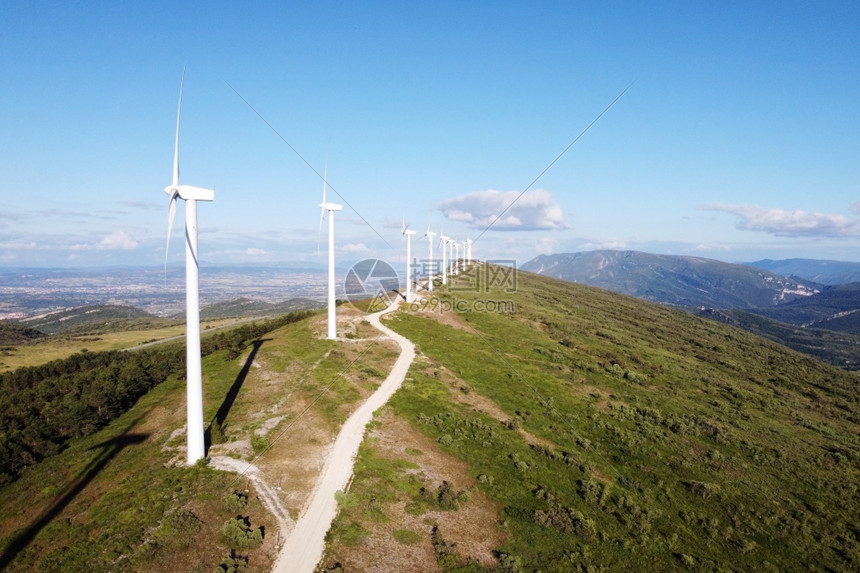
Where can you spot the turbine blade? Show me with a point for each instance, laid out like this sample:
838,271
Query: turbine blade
176,145
171,214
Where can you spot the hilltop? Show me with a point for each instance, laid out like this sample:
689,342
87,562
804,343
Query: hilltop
543,425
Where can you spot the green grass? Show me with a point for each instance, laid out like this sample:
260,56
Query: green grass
660,440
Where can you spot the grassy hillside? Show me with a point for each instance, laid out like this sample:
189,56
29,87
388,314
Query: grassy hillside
14,334
592,431
838,348
248,307
556,428
122,500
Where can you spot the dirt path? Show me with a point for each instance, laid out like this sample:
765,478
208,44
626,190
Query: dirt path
305,544
268,495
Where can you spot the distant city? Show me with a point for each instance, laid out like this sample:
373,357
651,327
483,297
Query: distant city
26,292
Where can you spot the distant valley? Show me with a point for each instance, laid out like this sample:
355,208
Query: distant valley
27,292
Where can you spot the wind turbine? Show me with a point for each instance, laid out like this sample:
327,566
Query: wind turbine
443,240
331,208
468,251
457,258
405,231
430,234
194,376
451,254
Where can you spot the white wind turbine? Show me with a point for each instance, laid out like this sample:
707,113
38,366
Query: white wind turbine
443,240
430,234
451,254
194,376
456,258
405,231
468,251
331,208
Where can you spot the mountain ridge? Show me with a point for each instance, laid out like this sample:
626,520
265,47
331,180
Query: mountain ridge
673,279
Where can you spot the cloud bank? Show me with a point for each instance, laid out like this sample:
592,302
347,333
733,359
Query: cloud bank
798,223
505,210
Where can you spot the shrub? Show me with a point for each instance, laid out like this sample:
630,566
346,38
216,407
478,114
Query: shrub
235,502
237,533
232,563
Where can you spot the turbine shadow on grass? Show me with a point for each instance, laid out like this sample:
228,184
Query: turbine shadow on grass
109,449
221,415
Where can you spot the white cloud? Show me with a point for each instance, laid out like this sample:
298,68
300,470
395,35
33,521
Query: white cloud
255,252
546,246
17,245
117,241
604,245
505,210
355,248
798,223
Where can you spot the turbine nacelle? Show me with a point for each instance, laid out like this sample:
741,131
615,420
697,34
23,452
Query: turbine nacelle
331,207
189,192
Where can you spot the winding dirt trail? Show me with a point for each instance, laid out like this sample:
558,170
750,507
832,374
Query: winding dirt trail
304,545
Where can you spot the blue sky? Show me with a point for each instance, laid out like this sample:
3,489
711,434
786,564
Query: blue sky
737,140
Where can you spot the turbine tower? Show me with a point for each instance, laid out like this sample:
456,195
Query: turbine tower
408,234
456,258
194,375
468,251
331,208
430,234
443,240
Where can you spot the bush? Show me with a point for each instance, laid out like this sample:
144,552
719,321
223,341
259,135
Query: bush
237,533
232,563
235,502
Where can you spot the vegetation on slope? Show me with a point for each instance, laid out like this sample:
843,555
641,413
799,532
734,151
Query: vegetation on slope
834,308
616,434
840,349
122,500
14,334
80,318
249,307
43,407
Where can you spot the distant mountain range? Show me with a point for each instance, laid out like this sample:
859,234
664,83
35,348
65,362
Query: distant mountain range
814,318
821,272
691,282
